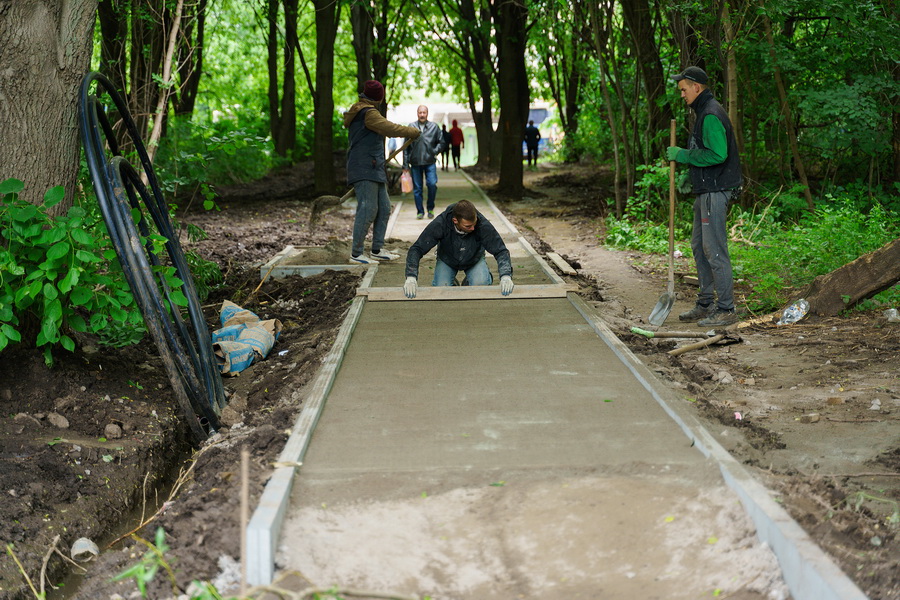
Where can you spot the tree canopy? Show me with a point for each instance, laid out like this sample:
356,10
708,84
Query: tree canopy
812,87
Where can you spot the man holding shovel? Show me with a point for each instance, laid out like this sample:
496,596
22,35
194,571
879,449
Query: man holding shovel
366,173
714,178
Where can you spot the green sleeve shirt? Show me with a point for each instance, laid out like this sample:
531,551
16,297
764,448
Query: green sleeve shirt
716,143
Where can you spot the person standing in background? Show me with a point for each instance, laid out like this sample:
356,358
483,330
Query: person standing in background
445,151
532,137
420,158
457,142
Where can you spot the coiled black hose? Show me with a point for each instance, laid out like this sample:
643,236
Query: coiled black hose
180,334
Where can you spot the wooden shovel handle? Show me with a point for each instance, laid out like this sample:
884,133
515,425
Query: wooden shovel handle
399,150
671,210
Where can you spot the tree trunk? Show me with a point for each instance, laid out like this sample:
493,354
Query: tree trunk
363,38
165,89
190,66
46,47
113,36
731,84
148,42
895,68
600,40
327,15
283,111
510,17
788,118
856,281
637,17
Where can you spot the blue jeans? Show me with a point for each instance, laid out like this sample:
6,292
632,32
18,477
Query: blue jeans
709,243
477,274
372,206
430,172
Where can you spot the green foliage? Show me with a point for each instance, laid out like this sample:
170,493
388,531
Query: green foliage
789,258
145,571
59,275
204,272
193,156
593,138
645,225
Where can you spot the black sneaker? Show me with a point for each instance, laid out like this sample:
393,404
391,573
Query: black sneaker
718,318
695,314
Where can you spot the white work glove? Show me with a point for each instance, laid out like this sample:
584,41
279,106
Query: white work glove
409,288
506,285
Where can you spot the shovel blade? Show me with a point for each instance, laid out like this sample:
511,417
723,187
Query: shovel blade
662,309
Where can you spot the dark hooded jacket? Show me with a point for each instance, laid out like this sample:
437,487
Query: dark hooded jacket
368,128
458,251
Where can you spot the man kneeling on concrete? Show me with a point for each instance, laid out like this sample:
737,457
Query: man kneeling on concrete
461,235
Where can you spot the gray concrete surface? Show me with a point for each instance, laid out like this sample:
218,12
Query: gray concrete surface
508,449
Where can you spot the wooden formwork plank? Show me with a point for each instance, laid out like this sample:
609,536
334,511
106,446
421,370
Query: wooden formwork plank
478,292
560,262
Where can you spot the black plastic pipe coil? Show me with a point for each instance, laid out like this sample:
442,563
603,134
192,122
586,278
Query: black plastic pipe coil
181,335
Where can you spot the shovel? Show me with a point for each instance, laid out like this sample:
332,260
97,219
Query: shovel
322,203
664,305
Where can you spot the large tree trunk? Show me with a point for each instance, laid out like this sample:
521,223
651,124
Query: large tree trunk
283,112
327,16
46,47
148,41
363,38
510,17
600,39
788,118
866,276
480,69
640,25
113,37
190,60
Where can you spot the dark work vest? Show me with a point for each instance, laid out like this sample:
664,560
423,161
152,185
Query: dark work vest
365,159
724,176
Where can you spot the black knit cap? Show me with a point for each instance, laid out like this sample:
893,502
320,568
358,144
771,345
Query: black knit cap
373,90
695,74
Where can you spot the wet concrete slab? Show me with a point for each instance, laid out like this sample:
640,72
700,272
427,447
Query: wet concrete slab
506,449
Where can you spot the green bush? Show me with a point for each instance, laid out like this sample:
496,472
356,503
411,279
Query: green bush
193,156
787,259
60,275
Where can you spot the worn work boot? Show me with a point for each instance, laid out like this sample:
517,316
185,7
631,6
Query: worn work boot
695,314
719,318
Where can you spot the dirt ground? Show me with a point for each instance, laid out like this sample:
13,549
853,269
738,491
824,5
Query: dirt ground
95,447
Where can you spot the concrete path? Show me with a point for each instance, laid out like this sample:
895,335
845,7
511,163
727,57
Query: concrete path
503,449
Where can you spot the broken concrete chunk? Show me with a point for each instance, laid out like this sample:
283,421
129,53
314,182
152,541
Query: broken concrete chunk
810,418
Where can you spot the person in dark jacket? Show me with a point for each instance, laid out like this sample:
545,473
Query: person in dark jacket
461,235
532,139
445,150
366,173
715,178
420,159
